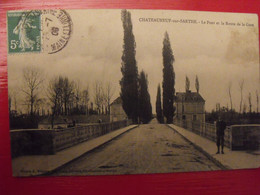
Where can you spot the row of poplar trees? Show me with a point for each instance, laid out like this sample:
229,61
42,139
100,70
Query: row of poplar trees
167,109
134,86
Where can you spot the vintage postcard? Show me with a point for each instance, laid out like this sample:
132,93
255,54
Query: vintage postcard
105,92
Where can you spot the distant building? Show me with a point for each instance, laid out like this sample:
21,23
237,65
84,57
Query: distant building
190,106
117,112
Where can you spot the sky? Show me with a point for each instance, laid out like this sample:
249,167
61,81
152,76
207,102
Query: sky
218,54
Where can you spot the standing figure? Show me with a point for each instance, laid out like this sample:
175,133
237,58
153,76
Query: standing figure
221,126
21,30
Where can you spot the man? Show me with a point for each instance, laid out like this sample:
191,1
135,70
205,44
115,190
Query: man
221,126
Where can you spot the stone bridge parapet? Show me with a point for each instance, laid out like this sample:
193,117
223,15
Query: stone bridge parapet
237,137
43,142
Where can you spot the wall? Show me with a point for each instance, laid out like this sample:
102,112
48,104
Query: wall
31,142
245,137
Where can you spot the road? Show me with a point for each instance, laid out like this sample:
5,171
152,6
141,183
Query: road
149,148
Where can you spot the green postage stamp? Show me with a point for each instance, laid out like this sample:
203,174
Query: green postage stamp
38,31
24,32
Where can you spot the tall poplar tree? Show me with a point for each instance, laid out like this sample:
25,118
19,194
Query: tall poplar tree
129,81
168,80
187,84
159,113
197,84
144,99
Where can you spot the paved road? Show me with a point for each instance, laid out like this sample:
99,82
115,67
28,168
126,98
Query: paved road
150,148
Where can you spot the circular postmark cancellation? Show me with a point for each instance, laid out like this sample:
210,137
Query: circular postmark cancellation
45,31
56,30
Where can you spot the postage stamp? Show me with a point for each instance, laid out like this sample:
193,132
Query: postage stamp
45,31
24,32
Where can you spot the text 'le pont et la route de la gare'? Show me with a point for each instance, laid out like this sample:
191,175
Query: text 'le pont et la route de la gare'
194,21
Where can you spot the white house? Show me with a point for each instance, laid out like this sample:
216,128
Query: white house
190,106
117,112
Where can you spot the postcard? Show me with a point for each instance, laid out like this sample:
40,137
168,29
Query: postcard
110,92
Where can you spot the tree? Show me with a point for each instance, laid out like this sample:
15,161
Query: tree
32,80
257,101
187,84
218,107
229,93
9,104
144,99
98,95
168,80
250,102
67,92
54,94
85,97
129,81
197,84
108,94
13,94
39,105
241,86
244,107
159,112
77,94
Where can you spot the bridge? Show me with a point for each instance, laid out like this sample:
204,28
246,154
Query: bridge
132,149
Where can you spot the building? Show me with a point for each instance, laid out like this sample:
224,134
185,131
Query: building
190,106
117,112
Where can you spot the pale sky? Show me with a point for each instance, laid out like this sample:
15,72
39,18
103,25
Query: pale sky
218,54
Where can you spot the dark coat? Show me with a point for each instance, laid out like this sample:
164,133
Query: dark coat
221,126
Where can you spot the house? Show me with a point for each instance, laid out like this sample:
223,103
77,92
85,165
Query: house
190,106
117,112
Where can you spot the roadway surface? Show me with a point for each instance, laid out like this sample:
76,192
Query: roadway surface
149,148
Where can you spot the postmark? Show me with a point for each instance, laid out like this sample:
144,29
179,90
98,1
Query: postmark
57,29
45,31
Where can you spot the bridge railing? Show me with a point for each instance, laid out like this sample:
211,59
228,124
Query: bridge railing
206,130
71,136
39,142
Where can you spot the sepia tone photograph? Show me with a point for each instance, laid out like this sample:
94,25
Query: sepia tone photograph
108,92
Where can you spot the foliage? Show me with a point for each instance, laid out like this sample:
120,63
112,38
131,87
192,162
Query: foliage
197,84
231,117
32,80
168,80
98,96
129,81
144,99
187,84
66,97
159,112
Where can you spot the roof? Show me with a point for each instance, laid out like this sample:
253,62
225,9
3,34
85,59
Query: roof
189,97
117,101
